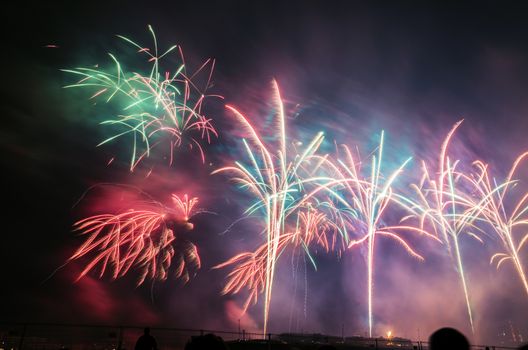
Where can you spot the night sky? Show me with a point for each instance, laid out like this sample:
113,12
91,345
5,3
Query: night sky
349,68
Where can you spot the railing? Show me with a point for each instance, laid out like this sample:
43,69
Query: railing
47,336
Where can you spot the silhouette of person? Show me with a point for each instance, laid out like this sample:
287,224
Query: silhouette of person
523,347
448,339
146,341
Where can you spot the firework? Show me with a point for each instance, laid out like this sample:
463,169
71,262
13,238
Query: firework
157,107
306,202
278,182
144,239
508,223
441,204
367,195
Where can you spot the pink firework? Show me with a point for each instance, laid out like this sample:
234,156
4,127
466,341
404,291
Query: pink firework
143,239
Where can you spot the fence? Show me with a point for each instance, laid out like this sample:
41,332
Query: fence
40,336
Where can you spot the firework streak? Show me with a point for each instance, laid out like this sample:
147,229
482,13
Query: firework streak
158,108
278,182
442,206
504,221
368,195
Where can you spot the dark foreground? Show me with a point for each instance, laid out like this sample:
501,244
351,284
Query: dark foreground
16,336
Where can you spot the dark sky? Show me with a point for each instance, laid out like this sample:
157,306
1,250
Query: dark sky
412,68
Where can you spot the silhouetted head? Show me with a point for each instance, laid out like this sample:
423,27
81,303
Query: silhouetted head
448,339
327,347
206,342
523,347
146,331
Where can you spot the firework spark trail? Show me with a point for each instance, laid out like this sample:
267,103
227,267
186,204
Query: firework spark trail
139,238
504,221
367,198
278,182
441,204
157,107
